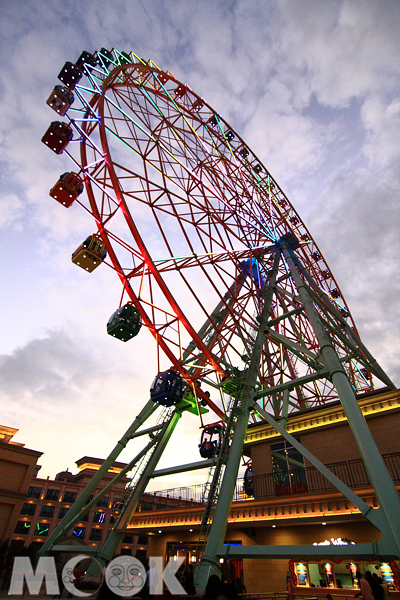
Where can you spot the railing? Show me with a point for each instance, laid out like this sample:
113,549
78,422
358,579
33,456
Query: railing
184,497
266,596
310,480
280,483
321,596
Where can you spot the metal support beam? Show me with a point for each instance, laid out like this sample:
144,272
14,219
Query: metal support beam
382,483
110,485
80,502
374,365
201,464
209,563
374,515
371,551
145,431
293,346
106,551
291,313
285,407
290,385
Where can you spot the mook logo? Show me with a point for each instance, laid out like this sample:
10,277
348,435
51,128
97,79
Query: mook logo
125,576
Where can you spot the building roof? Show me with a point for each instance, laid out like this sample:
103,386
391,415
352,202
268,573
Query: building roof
89,462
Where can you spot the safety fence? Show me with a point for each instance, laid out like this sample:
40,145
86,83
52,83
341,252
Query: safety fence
280,483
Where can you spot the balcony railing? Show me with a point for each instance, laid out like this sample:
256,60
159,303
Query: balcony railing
280,483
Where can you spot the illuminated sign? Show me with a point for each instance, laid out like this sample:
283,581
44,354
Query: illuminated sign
302,575
330,580
335,542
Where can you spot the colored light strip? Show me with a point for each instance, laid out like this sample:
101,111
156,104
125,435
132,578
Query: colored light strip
261,222
151,137
40,531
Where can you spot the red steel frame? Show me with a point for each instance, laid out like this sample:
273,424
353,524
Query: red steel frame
158,155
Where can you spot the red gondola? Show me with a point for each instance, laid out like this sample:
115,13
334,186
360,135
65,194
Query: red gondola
67,189
60,99
58,136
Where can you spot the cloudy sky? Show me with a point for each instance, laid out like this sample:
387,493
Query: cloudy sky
312,86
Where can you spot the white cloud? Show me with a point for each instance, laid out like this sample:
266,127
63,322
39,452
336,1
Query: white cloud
11,209
270,69
345,49
50,368
382,123
357,225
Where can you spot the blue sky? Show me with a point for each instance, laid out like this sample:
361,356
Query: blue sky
313,88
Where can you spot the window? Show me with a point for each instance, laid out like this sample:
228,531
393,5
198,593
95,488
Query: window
34,492
52,494
69,497
22,527
63,511
143,539
103,502
16,547
99,517
47,511
28,509
147,506
289,469
95,535
127,539
79,532
35,546
42,529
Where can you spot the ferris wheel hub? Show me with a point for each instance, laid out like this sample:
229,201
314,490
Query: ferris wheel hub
289,239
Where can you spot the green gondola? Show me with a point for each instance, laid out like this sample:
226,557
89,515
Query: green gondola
125,323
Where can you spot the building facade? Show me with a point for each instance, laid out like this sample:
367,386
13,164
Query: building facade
287,502
291,502
42,503
17,469
48,500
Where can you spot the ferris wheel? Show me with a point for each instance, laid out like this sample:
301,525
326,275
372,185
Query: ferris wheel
213,259
190,218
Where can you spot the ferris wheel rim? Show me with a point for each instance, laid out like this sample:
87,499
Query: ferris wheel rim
103,232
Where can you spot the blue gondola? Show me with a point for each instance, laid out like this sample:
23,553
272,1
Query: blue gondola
248,483
167,388
70,75
210,442
251,267
86,60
